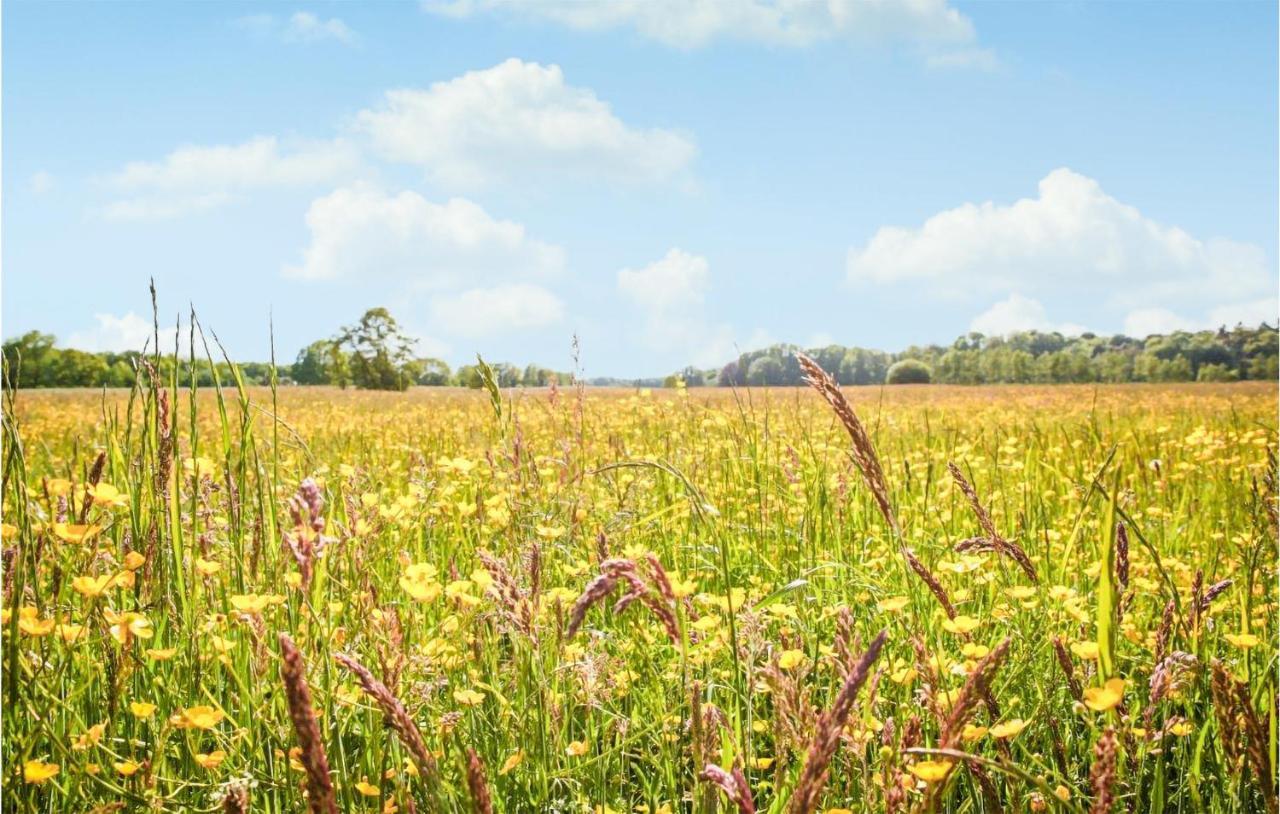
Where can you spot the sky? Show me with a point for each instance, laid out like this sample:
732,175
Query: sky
671,182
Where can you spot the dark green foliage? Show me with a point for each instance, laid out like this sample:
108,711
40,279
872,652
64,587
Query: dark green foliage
908,371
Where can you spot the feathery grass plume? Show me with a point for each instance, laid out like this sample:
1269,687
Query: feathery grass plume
1213,592
513,601
1102,774
477,784
832,722
306,540
864,452
1220,689
976,686
1171,674
1197,599
1122,557
320,795
733,783
1068,669
1256,742
596,590
932,582
994,541
95,475
396,715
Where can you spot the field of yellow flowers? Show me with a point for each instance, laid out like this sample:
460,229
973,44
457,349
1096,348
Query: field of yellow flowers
904,599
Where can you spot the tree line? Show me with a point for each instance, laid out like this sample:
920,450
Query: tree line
1027,357
375,353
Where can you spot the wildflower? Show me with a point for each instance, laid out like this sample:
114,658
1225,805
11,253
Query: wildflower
198,717
37,771
127,768
892,605
367,789
1244,641
141,709
514,760
104,494
576,749
1008,729
1101,699
790,659
133,560
212,760
1085,650
960,625
931,771
468,698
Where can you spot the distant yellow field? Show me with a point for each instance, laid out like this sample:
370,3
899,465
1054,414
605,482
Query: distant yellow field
642,600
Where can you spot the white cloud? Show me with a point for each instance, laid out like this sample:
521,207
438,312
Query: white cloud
362,231
1018,313
671,295
1142,322
117,334
197,178
518,120
786,23
1071,242
41,182
677,282
301,27
496,310
304,26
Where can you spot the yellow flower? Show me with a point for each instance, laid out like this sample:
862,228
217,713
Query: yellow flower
1008,729
961,624
73,532
790,659
762,763
133,560
366,788
211,760
37,771
90,587
576,749
1085,650
1181,729
931,771
1062,793
198,717
30,623
104,494
127,767
1101,699
891,605
161,653
972,733
974,651
468,698
70,632
90,737
1244,641
141,709
207,567
511,762
250,603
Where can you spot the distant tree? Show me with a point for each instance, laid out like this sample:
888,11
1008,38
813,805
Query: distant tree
908,371
433,373
765,371
378,351
1216,373
315,364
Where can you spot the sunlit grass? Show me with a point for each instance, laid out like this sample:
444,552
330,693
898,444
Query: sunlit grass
143,607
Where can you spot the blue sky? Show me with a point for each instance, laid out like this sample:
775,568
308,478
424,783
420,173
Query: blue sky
670,181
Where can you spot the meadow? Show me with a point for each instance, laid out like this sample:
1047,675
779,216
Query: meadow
896,599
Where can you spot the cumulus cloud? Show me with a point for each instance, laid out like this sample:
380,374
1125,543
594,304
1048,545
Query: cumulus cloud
1072,240
499,309
197,178
1143,322
1018,313
300,27
362,231
785,23
518,120
671,294
118,334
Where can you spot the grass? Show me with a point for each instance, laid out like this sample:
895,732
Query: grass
141,650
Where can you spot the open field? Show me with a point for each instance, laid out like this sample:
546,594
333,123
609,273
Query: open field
584,601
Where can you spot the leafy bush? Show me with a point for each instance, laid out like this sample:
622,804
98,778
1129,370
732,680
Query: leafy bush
908,371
